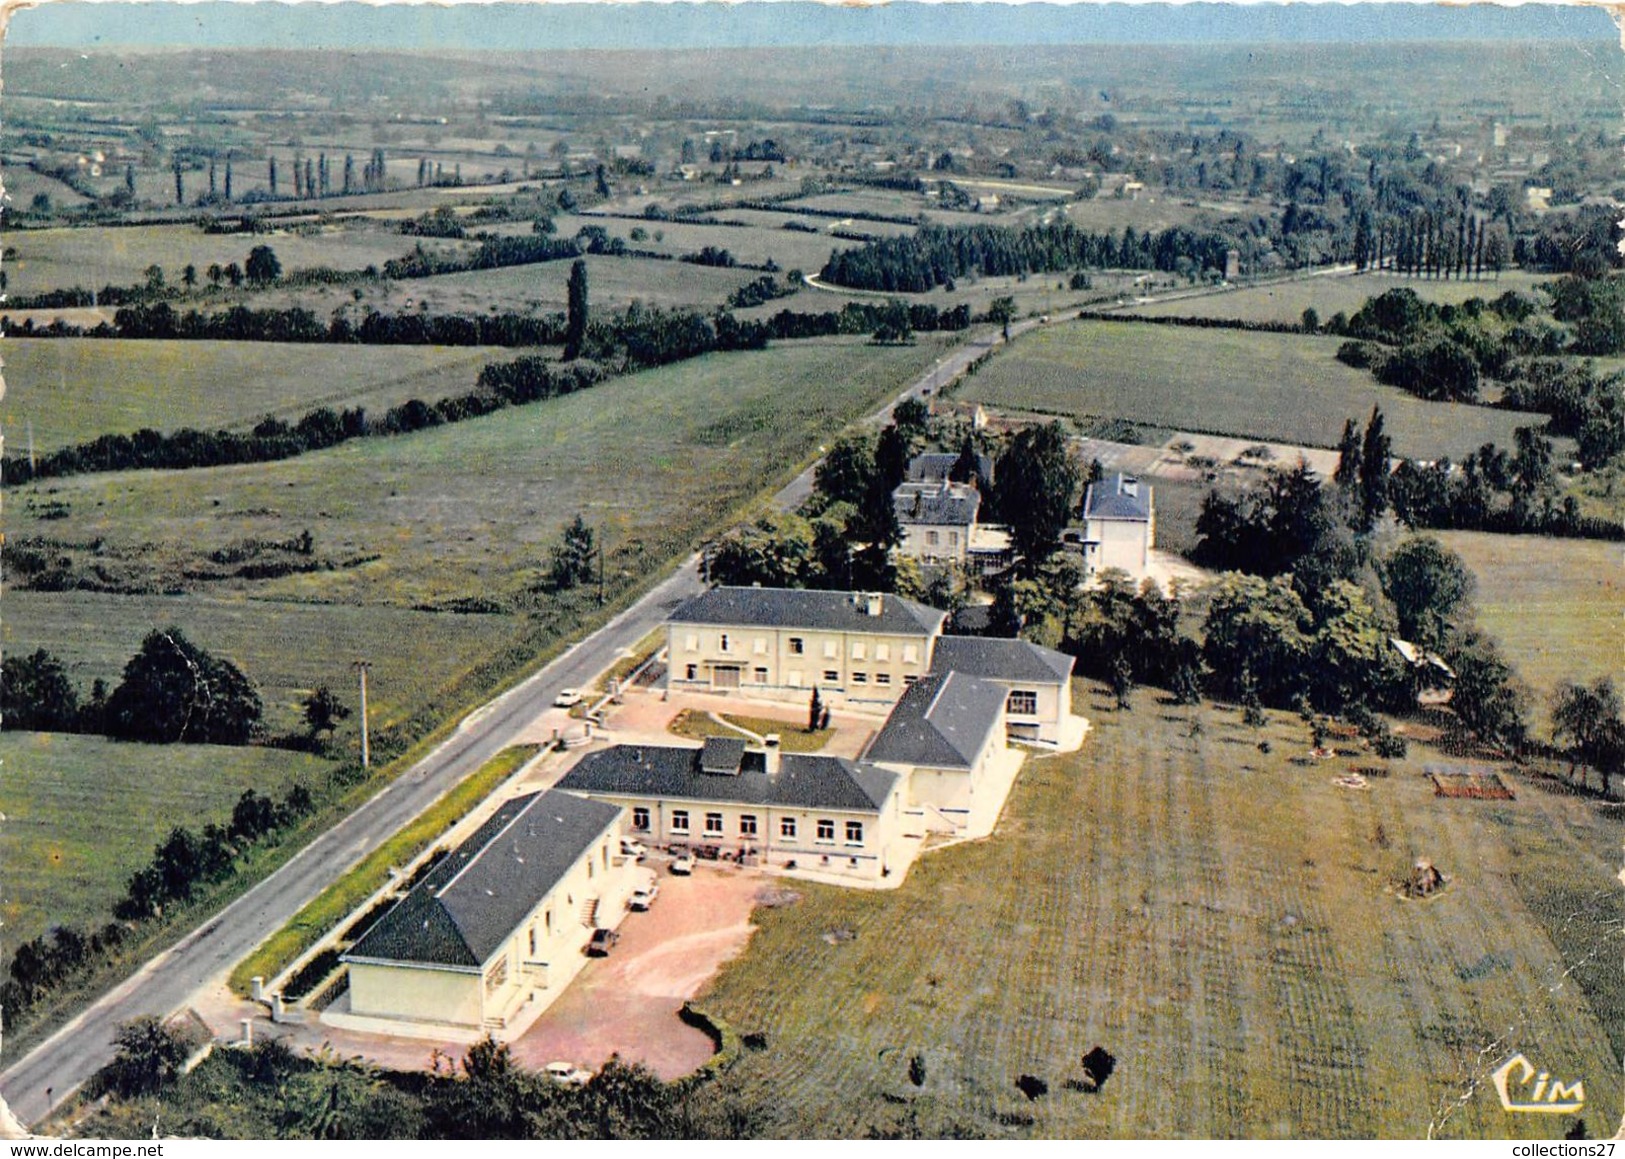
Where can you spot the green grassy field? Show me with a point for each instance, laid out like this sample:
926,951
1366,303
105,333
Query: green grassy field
1286,301
1221,921
83,813
287,649
73,389
96,256
1557,606
1161,210
1279,387
654,460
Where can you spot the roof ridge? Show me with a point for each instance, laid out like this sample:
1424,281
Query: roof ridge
495,837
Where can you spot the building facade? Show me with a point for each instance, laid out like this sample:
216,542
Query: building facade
499,927
1037,682
1119,526
852,646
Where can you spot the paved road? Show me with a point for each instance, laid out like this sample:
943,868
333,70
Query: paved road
73,1054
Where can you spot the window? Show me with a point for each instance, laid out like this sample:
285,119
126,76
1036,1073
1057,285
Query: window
747,824
693,643
761,674
693,672
860,678
909,680
547,922
930,538
497,974
797,645
831,676
533,941
793,679
787,828
1023,702
953,539
882,651
713,824
722,641
640,817
831,649
679,820
589,869
882,677
760,646
826,829
857,649
854,832
911,654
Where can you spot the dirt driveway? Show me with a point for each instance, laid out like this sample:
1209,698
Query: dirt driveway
627,1003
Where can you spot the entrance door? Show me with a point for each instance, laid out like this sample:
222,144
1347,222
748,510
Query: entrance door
725,676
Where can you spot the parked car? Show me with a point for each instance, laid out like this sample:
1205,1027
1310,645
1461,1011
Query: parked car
630,847
602,942
683,865
568,1074
567,698
644,895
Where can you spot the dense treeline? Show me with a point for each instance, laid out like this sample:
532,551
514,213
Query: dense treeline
865,318
297,324
936,254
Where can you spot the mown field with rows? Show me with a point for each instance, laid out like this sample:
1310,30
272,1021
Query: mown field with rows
1222,921
83,813
1280,387
1285,301
1558,609
69,390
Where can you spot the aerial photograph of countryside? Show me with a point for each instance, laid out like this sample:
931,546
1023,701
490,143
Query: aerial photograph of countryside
801,571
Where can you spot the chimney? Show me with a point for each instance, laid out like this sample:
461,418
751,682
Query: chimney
770,755
873,603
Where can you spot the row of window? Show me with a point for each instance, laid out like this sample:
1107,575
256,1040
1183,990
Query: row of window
932,539
824,829
691,672
797,646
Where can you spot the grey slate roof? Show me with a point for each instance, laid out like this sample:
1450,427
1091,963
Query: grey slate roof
804,608
469,905
722,755
1110,499
941,722
933,503
934,466
1000,659
673,773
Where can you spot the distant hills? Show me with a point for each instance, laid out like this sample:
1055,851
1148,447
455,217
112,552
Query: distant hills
776,24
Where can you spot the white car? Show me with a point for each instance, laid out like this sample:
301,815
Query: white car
568,1074
567,698
683,865
643,896
630,847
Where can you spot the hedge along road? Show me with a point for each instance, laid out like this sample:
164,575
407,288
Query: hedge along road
66,1060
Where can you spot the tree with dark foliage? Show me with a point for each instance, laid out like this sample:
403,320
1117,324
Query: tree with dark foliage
174,692
575,326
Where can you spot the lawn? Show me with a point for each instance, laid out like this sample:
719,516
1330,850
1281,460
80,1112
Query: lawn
1557,606
287,649
1281,387
95,256
655,461
74,389
83,813
793,738
1221,921
1286,301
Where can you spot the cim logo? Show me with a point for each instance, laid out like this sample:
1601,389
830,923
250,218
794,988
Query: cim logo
1545,1097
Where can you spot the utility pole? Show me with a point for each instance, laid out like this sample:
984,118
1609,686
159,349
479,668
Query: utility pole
361,666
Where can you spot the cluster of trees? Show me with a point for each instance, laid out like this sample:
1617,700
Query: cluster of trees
1447,242
172,692
184,860
937,254
1582,405
269,1092
866,318
1492,490
764,289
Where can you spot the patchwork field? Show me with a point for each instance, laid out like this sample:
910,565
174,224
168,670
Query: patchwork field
1224,923
82,813
74,389
1280,387
1557,606
1286,301
94,257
